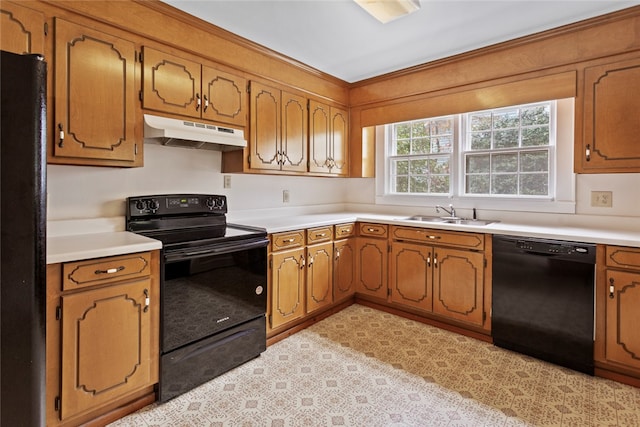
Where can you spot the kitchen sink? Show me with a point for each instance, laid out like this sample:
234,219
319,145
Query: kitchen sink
450,220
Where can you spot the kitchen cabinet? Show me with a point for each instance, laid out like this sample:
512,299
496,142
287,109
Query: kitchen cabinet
94,100
439,272
21,29
372,257
328,139
319,268
175,85
607,123
102,335
344,268
278,130
617,316
287,278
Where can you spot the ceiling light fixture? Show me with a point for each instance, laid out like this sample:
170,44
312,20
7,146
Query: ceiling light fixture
388,10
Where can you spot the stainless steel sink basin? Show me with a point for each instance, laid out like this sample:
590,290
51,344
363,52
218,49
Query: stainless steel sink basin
450,220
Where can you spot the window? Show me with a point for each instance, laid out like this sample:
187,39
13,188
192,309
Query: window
505,158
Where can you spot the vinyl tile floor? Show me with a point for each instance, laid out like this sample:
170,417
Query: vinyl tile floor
363,367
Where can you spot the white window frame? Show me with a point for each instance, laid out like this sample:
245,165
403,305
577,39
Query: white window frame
562,177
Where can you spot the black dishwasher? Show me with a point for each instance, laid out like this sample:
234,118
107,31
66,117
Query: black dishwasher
543,299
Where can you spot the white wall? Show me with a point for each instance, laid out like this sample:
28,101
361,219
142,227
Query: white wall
95,192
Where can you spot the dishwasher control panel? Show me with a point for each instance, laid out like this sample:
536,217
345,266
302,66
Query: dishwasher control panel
551,247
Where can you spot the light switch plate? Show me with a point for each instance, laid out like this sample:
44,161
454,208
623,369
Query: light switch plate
285,196
227,181
602,199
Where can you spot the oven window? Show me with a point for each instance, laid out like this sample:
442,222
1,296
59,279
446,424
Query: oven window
205,295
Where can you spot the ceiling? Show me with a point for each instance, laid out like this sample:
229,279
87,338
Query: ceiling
339,38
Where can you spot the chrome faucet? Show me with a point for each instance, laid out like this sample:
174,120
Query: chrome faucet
451,211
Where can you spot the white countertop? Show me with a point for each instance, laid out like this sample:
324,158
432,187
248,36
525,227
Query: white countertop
578,234
75,247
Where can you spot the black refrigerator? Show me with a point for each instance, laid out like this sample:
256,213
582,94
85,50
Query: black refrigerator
23,250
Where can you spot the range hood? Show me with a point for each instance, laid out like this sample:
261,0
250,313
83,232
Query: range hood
184,133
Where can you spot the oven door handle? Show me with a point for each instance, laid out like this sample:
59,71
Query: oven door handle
214,250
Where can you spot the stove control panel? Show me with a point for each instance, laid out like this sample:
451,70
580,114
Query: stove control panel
176,204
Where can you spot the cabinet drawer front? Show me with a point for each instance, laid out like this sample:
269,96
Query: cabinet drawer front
345,230
439,237
81,274
319,234
373,230
622,257
288,240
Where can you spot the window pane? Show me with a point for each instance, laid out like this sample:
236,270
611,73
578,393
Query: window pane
440,184
533,136
534,161
420,146
477,184
504,162
536,115
401,167
403,147
418,184
481,121
478,163
441,144
534,184
419,167
504,184
506,119
402,184
505,138
420,129
440,165
441,127
402,130
481,140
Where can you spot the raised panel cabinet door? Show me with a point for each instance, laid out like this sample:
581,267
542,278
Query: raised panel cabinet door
288,290
94,95
224,97
294,132
458,285
371,269
21,29
319,276
339,141
106,345
611,123
344,270
622,341
319,137
171,84
264,125
410,281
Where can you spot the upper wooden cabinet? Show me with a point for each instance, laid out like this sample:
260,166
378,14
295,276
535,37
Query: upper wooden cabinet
175,85
278,130
21,29
94,98
608,128
328,139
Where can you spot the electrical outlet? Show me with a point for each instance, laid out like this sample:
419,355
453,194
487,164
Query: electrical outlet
285,196
602,199
227,181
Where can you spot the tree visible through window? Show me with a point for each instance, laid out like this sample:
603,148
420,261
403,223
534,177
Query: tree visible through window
421,155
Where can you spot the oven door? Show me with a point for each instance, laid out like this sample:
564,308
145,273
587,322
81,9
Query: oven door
207,290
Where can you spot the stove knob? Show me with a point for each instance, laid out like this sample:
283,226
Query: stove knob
220,202
153,205
210,202
140,205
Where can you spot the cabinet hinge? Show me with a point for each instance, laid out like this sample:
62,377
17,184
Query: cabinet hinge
56,403
135,149
140,57
140,95
46,28
249,159
249,87
58,313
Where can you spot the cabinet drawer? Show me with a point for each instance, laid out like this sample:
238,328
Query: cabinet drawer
345,230
439,237
319,234
621,257
373,230
81,274
287,240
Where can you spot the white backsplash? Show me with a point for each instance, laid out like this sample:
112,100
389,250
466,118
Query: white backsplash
96,192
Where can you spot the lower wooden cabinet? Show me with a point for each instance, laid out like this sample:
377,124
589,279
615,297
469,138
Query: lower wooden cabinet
372,260
412,275
287,287
319,276
102,337
344,268
617,345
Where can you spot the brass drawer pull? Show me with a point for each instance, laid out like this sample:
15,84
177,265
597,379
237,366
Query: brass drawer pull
110,270
320,235
291,240
147,300
373,230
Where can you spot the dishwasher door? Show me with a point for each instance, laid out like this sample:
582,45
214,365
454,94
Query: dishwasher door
543,299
